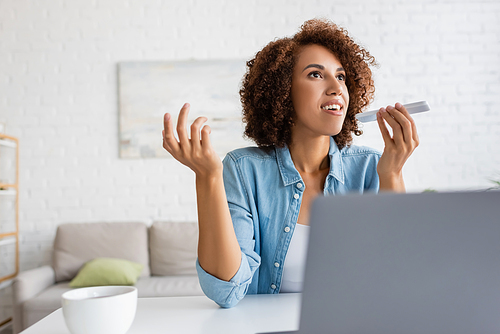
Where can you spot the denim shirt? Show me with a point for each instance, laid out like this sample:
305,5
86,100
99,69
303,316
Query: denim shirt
264,192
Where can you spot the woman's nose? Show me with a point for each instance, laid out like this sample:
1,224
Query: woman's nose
334,87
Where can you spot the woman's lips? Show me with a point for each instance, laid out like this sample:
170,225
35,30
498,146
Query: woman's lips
334,112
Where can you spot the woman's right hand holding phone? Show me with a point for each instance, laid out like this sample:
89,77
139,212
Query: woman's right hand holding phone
196,152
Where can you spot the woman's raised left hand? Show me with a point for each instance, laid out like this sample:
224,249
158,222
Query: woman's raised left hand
398,147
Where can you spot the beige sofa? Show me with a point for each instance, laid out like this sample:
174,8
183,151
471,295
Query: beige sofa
166,249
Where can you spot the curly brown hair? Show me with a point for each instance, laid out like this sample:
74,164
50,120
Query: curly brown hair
266,87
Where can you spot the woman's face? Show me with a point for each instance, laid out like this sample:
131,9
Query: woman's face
319,93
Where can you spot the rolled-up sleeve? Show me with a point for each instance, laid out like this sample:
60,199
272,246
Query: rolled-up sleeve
228,293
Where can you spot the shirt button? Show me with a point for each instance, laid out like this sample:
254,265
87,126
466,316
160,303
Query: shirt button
296,196
287,229
273,286
299,185
276,264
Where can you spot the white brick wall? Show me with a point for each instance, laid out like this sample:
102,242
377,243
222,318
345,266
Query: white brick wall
58,93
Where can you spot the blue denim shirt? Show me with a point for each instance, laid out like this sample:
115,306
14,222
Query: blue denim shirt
264,192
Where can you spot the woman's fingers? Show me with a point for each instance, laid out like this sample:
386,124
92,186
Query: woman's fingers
187,149
394,124
401,115
195,152
182,127
195,132
386,135
205,138
169,141
403,110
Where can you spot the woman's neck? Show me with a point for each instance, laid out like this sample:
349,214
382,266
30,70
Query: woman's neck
310,155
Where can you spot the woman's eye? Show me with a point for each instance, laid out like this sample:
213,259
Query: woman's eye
315,75
341,77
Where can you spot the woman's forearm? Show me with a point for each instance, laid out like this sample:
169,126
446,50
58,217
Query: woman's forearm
219,253
394,183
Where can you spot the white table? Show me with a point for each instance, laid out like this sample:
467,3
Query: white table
192,315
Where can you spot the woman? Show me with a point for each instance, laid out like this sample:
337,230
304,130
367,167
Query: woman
299,97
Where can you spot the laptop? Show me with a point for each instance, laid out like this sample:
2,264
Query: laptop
403,263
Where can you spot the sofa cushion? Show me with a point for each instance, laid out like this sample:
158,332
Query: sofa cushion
107,271
76,244
173,248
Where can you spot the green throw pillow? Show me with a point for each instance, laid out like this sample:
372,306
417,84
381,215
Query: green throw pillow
107,271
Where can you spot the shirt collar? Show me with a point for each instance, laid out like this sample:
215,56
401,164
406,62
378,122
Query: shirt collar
289,173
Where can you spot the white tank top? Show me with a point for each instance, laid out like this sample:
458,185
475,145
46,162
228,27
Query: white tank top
295,260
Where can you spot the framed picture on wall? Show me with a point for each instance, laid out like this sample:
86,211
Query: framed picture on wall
147,90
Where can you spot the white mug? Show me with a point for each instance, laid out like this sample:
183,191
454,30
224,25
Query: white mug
100,310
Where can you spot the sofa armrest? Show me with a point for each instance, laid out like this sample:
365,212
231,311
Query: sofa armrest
26,285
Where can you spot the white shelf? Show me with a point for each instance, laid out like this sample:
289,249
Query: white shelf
8,143
7,241
8,192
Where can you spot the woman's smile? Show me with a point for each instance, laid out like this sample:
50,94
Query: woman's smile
334,108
